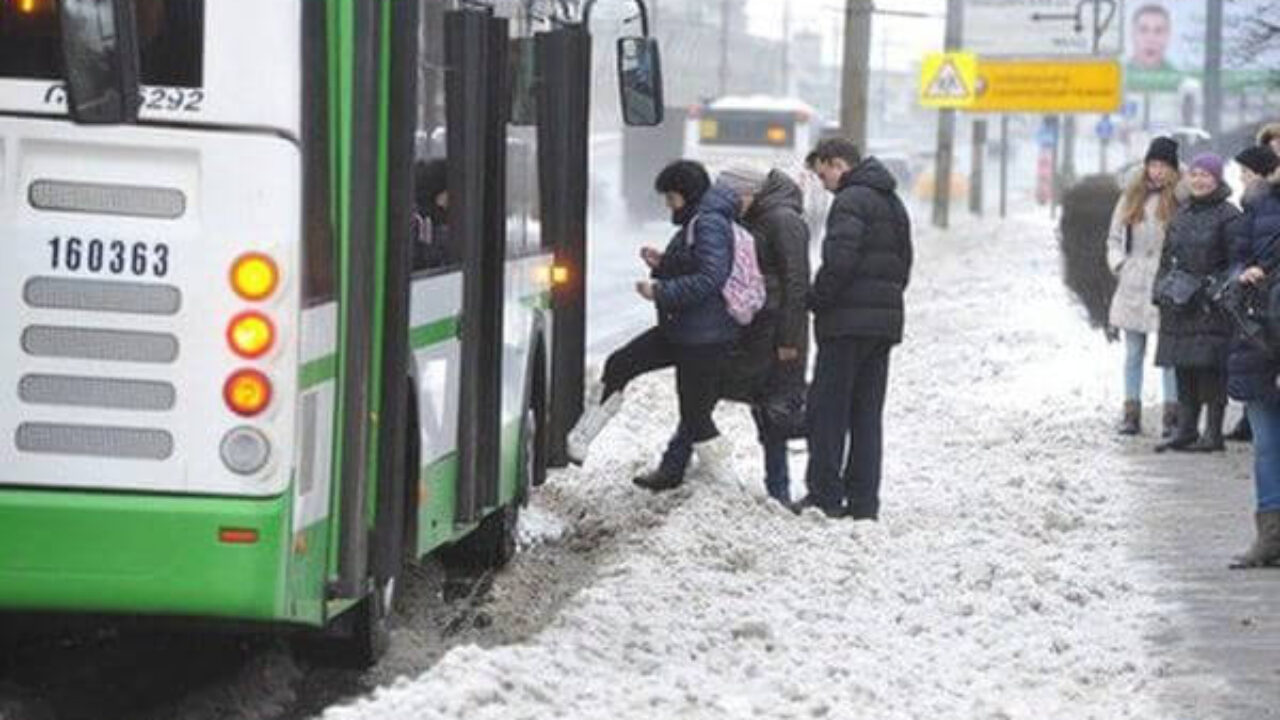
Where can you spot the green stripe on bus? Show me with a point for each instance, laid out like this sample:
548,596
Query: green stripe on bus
434,333
321,370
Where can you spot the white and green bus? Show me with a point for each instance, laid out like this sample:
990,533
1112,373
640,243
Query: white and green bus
235,393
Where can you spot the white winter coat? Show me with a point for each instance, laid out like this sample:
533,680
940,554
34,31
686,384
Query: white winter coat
1135,267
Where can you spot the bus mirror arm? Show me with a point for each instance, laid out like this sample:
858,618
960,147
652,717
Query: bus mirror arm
100,57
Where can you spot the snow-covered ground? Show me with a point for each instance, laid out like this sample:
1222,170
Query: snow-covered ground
998,583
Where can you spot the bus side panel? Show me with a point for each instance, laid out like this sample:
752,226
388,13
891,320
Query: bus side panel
434,316
99,552
313,462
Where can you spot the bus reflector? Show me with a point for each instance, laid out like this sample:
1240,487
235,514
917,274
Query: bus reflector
245,451
559,274
251,334
238,536
254,276
247,392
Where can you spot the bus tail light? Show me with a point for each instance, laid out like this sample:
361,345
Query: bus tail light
247,392
237,536
776,134
245,450
254,276
251,334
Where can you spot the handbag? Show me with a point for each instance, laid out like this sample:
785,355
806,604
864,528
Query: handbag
783,408
1177,289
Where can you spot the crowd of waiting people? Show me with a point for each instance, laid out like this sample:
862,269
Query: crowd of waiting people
1195,271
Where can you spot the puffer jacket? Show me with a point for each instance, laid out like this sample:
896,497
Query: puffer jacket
866,259
1199,242
1251,371
776,219
693,271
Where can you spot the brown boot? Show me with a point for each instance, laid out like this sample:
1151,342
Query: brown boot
1170,420
1131,424
1266,546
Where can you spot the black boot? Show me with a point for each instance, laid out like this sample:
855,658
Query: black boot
1242,432
659,480
1212,440
1187,433
1169,422
1131,421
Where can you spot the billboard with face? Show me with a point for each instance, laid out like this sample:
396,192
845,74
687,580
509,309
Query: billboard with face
1165,43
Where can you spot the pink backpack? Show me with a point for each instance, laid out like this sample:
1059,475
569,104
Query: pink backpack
744,291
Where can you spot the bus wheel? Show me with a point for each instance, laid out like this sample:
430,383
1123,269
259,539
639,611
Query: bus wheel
358,638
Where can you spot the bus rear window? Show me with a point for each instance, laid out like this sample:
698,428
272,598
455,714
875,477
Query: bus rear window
747,128
170,36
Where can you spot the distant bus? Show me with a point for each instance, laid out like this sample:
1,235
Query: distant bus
760,130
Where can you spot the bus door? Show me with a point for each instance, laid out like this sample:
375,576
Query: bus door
564,59
476,51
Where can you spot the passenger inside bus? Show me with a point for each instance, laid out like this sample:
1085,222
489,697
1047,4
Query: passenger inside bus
430,217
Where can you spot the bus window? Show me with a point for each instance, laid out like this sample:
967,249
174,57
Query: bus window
170,35
319,241
748,128
434,248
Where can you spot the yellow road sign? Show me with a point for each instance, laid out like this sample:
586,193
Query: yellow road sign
948,80
1086,86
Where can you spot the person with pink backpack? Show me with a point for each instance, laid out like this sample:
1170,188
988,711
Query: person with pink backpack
702,286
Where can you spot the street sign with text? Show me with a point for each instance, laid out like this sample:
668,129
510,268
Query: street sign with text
1043,28
1083,86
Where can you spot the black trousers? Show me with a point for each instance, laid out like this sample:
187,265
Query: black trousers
698,371
1196,386
845,410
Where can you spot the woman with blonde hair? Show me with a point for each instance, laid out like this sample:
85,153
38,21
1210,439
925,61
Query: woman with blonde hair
1134,246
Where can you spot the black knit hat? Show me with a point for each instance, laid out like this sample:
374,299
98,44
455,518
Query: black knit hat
1163,149
1260,159
686,177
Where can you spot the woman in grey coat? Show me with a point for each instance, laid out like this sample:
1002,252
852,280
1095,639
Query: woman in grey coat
1134,247
1194,336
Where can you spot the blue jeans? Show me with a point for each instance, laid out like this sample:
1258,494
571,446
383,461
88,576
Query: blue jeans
1265,419
1135,357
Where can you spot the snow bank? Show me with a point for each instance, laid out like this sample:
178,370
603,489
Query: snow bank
997,584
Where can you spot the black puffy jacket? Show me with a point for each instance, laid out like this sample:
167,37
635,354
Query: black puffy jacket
1199,243
866,258
1252,372
776,219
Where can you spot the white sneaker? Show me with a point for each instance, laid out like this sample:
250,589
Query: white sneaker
716,458
589,426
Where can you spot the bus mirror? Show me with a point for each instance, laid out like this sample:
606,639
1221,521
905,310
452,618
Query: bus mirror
640,80
100,57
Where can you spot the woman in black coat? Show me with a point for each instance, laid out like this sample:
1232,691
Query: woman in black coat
1194,336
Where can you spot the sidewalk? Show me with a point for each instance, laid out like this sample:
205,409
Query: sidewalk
1226,631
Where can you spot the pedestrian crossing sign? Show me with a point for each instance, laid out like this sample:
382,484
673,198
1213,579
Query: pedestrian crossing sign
949,80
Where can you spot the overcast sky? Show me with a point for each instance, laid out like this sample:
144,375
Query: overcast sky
899,41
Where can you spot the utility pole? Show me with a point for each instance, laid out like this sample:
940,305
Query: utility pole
725,31
947,127
786,49
857,71
1213,68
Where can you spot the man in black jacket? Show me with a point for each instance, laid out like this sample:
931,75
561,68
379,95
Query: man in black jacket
858,318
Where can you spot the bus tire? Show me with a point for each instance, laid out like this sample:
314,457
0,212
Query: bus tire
493,543
358,638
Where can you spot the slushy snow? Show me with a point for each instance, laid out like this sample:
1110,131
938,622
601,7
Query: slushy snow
997,584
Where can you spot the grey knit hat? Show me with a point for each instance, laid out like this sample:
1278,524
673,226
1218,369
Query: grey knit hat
744,180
